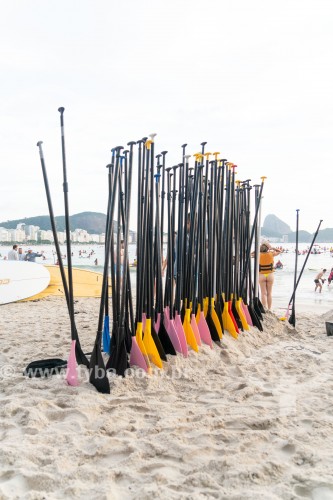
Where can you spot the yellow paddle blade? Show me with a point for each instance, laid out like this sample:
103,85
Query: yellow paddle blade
205,305
216,319
241,315
283,318
189,333
228,323
197,317
138,336
151,346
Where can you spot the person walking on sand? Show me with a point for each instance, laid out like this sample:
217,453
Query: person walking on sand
13,253
266,272
319,280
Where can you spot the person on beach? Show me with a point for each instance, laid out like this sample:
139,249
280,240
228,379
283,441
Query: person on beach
13,253
266,272
21,254
31,256
278,265
330,278
319,280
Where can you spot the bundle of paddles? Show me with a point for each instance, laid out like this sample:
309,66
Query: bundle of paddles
195,279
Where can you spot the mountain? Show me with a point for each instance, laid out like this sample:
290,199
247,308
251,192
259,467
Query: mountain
274,227
92,222
273,224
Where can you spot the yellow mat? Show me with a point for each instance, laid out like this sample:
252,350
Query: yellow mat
85,283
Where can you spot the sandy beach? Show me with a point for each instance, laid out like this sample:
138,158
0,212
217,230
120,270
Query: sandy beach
253,419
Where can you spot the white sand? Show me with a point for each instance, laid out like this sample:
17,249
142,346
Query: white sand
253,420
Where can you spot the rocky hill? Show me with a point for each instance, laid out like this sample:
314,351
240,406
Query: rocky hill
93,222
275,225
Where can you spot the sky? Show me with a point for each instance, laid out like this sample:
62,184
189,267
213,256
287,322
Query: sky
252,78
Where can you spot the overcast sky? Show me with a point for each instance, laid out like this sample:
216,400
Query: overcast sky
252,78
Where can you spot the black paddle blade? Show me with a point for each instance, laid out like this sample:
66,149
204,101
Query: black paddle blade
45,367
81,358
292,319
236,316
118,360
255,319
218,309
158,344
98,377
256,308
261,307
212,328
165,340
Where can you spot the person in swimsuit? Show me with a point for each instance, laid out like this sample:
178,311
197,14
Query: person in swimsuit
319,280
266,272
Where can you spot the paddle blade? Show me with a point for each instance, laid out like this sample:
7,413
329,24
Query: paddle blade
246,313
181,334
235,314
151,346
256,308
136,356
227,322
232,316
106,335
212,328
171,330
255,320
215,319
241,314
118,358
195,329
71,373
98,377
165,340
189,334
81,358
158,344
218,309
204,330
138,337
157,323
292,319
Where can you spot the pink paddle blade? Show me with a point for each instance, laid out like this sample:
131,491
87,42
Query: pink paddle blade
71,373
166,318
136,356
157,323
204,330
171,330
247,314
195,329
181,334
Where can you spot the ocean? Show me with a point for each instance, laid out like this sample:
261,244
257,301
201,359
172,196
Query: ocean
307,300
